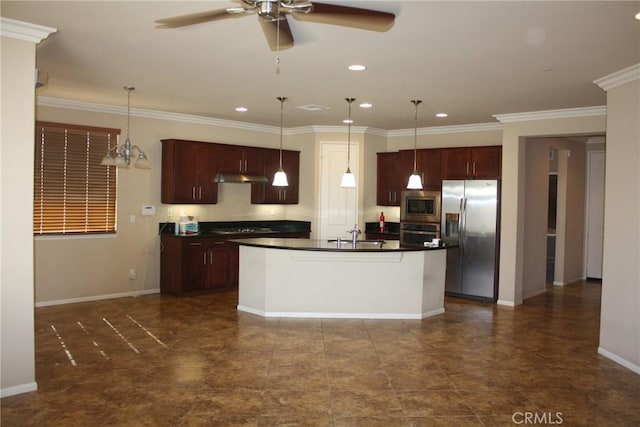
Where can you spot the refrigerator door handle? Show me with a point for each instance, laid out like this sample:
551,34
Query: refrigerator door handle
463,226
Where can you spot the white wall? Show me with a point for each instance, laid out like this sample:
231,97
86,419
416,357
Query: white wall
16,204
620,309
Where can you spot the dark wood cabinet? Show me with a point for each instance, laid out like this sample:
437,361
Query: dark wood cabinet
188,170
428,166
394,169
266,193
241,159
197,264
472,162
388,186
193,265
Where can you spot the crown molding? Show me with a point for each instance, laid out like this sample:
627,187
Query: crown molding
552,114
441,130
44,101
315,129
24,30
619,78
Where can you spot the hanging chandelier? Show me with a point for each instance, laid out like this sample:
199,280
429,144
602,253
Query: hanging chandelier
348,179
280,177
415,180
122,154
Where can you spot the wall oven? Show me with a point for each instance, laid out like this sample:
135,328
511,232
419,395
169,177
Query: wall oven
420,206
416,234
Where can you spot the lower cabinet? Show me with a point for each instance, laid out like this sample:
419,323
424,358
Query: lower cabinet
193,265
197,264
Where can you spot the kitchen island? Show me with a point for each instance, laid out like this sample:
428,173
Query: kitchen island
334,279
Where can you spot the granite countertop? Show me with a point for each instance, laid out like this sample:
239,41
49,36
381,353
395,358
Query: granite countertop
392,229
332,245
230,229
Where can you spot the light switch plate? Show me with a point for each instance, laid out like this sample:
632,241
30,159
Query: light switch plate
148,210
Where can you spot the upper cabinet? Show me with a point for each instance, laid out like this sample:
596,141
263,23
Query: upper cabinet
428,166
268,194
472,163
241,159
394,169
388,185
188,170
190,167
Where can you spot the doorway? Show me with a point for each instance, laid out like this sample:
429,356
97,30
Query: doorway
338,207
595,214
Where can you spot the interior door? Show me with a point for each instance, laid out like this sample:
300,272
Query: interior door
595,213
338,207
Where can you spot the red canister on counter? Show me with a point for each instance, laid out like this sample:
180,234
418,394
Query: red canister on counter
382,222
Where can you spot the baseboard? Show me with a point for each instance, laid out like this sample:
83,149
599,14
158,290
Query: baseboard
97,297
507,303
18,389
328,315
535,293
619,360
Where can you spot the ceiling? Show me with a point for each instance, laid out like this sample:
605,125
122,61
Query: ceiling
471,60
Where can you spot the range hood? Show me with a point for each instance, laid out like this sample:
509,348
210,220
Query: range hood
239,178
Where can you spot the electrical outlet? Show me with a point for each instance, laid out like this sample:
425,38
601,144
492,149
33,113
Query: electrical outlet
132,274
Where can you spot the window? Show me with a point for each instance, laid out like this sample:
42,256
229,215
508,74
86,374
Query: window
73,193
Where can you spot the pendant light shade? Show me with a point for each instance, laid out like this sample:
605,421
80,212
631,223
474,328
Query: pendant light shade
348,179
123,153
415,180
280,177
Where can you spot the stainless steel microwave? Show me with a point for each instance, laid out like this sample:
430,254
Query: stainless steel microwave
420,206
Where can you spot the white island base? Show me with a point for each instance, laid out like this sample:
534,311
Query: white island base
276,282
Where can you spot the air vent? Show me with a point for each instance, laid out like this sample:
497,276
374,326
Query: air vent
312,107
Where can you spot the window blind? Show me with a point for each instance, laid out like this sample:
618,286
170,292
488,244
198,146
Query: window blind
73,193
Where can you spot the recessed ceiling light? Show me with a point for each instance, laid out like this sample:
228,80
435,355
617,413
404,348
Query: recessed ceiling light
357,67
442,115
347,121
241,109
366,105
638,16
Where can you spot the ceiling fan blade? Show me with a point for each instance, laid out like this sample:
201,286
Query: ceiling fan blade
200,17
270,29
346,16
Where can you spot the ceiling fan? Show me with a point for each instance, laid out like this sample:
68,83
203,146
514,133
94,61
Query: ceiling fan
273,17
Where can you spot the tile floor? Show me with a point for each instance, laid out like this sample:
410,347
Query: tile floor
165,361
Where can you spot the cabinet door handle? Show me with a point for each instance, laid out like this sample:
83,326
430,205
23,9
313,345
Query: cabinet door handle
211,257
245,165
240,165
474,168
199,193
204,258
193,192
467,168
195,244
390,199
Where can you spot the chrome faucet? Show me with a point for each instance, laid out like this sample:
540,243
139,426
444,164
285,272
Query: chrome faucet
354,234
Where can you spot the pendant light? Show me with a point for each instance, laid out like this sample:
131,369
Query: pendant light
280,177
348,179
124,152
415,181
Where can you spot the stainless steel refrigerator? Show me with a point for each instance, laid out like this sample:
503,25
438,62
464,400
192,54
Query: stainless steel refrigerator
470,215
